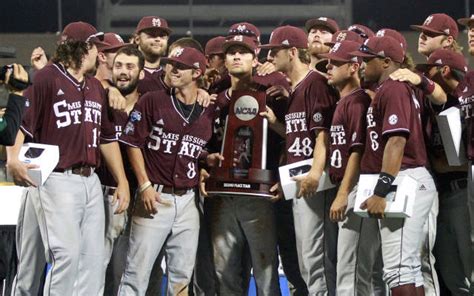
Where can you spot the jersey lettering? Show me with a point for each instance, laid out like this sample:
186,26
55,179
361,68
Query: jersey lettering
336,159
302,147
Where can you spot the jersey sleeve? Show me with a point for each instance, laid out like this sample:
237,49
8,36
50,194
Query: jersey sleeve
322,102
107,127
395,106
37,95
357,121
139,122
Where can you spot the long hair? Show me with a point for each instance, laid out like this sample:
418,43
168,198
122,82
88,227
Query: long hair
70,53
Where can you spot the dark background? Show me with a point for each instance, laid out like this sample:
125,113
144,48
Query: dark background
28,16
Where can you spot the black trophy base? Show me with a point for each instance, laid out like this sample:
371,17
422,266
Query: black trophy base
257,183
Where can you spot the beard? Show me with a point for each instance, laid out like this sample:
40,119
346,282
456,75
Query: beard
127,89
152,55
315,49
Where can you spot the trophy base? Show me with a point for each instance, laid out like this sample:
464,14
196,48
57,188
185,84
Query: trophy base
257,183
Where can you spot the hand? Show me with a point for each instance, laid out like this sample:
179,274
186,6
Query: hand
116,100
406,75
19,171
38,59
2,112
375,206
212,75
278,92
204,98
338,208
122,195
203,176
276,189
269,115
307,184
151,199
213,159
265,69
18,73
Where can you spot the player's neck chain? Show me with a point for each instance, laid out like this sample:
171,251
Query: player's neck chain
184,109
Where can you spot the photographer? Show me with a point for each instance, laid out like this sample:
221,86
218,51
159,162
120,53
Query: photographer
15,79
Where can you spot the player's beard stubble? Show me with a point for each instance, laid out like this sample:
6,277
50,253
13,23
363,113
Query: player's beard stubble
128,88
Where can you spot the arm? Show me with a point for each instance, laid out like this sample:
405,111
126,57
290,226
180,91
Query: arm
392,160
351,174
113,159
309,183
273,122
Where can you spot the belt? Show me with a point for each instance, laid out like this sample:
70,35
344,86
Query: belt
84,171
453,185
172,190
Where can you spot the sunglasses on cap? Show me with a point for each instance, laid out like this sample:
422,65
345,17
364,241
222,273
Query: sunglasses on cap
365,49
98,35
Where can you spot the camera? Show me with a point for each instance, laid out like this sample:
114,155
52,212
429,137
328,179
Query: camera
3,72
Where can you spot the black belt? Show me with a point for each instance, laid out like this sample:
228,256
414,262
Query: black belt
172,190
84,171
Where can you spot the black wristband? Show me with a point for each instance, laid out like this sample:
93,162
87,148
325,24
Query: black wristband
383,184
426,85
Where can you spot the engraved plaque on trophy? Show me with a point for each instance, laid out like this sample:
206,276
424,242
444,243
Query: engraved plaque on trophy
244,147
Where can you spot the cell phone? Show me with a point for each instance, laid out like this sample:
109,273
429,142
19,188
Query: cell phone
33,152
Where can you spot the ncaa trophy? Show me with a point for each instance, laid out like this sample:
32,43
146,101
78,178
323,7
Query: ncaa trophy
244,147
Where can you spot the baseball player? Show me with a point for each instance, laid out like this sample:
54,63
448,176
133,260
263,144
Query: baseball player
467,100
127,70
448,68
320,31
65,103
308,119
151,37
105,58
357,239
166,134
395,146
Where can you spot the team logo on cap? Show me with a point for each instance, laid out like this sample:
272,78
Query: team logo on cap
156,22
241,28
380,33
428,20
317,117
238,38
323,19
393,119
178,52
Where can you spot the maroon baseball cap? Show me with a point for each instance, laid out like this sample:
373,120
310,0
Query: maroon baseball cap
445,57
243,40
115,43
214,46
439,23
342,35
341,52
246,29
153,22
189,57
465,21
364,31
287,36
383,47
81,31
395,35
323,22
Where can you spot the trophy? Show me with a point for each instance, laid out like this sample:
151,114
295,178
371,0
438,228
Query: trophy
244,147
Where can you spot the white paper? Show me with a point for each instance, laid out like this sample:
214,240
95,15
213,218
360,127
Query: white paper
10,203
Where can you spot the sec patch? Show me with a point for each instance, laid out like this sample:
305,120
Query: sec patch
393,119
317,117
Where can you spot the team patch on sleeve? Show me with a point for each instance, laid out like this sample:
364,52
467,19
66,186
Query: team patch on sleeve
135,116
393,119
129,128
317,117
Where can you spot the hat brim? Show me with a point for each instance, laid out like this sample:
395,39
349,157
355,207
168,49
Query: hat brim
465,21
312,23
333,57
427,29
424,67
362,54
113,48
99,43
167,30
230,43
175,60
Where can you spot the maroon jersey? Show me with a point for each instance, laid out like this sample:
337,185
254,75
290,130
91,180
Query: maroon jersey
311,107
395,110
68,113
119,119
466,100
347,131
274,141
153,81
171,145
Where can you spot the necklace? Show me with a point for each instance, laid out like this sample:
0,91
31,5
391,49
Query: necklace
181,109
